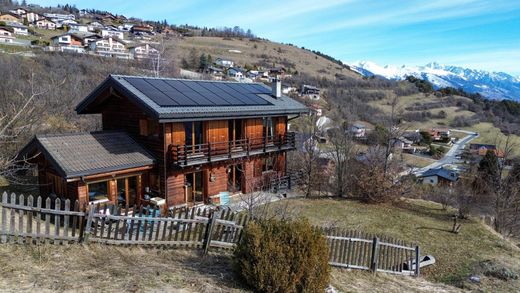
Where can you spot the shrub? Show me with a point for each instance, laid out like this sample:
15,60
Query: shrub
282,256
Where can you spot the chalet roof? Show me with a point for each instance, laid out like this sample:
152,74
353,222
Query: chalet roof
82,154
169,99
441,172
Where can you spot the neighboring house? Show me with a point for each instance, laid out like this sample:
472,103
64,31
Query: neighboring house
126,27
440,133
229,137
235,73
73,42
276,71
110,47
112,33
45,24
60,16
310,91
414,136
6,36
403,144
32,17
438,176
63,22
358,130
76,27
481,150
289,89
94,26
142,30
224,63
18,11
18,29
143,51
9,17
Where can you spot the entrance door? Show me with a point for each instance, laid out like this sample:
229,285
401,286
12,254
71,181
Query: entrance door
194,187
235,178
127,191
193,136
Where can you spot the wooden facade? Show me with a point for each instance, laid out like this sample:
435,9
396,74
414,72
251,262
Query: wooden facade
195,159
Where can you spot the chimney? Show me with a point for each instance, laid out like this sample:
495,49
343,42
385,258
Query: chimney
276,87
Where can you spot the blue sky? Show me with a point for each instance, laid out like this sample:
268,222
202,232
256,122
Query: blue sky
480,34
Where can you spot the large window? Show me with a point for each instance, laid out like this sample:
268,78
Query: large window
127,191
98,191
268,127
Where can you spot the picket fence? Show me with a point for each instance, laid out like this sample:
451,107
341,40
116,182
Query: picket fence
24,220
358,250
30,220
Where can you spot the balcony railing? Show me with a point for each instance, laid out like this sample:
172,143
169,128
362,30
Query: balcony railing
190,155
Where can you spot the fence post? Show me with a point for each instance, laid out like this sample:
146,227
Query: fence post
4,218
417,260
375,255
90,217
209,232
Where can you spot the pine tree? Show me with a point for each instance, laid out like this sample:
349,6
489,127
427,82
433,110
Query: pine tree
209,60
203,62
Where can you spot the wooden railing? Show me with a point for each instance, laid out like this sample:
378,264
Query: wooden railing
189,155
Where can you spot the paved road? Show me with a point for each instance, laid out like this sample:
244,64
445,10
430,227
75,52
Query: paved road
451,156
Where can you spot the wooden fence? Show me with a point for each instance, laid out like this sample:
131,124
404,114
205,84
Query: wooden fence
357,250
24,220
29,220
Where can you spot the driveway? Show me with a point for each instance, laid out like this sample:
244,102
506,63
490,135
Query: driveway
451,156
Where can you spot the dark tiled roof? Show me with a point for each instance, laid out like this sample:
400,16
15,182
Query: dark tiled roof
178,99
83,154
441,172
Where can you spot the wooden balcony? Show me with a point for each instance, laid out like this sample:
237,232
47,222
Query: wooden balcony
192,155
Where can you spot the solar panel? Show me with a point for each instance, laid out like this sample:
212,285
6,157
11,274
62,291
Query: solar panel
186,93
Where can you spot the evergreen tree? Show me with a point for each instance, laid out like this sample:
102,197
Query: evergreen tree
209,60
489,170
203,62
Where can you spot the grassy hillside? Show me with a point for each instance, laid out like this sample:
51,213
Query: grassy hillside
262,52
457,255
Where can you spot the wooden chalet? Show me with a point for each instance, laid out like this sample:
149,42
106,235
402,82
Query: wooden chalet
182,140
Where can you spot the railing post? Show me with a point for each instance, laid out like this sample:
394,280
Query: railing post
209,151
209,232
417,260
247,146
265,143
280,141
375,255
185,156
176,158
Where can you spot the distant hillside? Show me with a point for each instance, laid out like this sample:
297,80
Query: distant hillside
493,85
251,52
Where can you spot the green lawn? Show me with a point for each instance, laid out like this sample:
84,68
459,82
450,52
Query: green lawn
426,224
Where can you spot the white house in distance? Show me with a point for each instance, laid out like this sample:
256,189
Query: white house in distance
310,91
6,36
94,25
112,33
73,42
76,27
358,130
32,17
143,51
224,62
60,16
110,47
235,73
45,24
18,29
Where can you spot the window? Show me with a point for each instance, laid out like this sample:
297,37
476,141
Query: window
268,127
98,191
148,127
127,191
267,164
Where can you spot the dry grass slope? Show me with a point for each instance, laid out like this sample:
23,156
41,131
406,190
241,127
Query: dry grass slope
255,51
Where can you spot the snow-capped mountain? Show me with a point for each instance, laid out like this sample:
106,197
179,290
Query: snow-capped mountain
493,85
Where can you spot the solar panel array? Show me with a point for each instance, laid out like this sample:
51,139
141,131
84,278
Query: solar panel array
182,93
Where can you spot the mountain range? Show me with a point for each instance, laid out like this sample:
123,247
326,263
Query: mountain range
492,85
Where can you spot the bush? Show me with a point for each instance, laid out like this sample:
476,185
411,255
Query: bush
282,256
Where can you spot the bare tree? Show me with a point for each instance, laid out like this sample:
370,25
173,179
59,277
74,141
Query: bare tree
342,153
18,115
